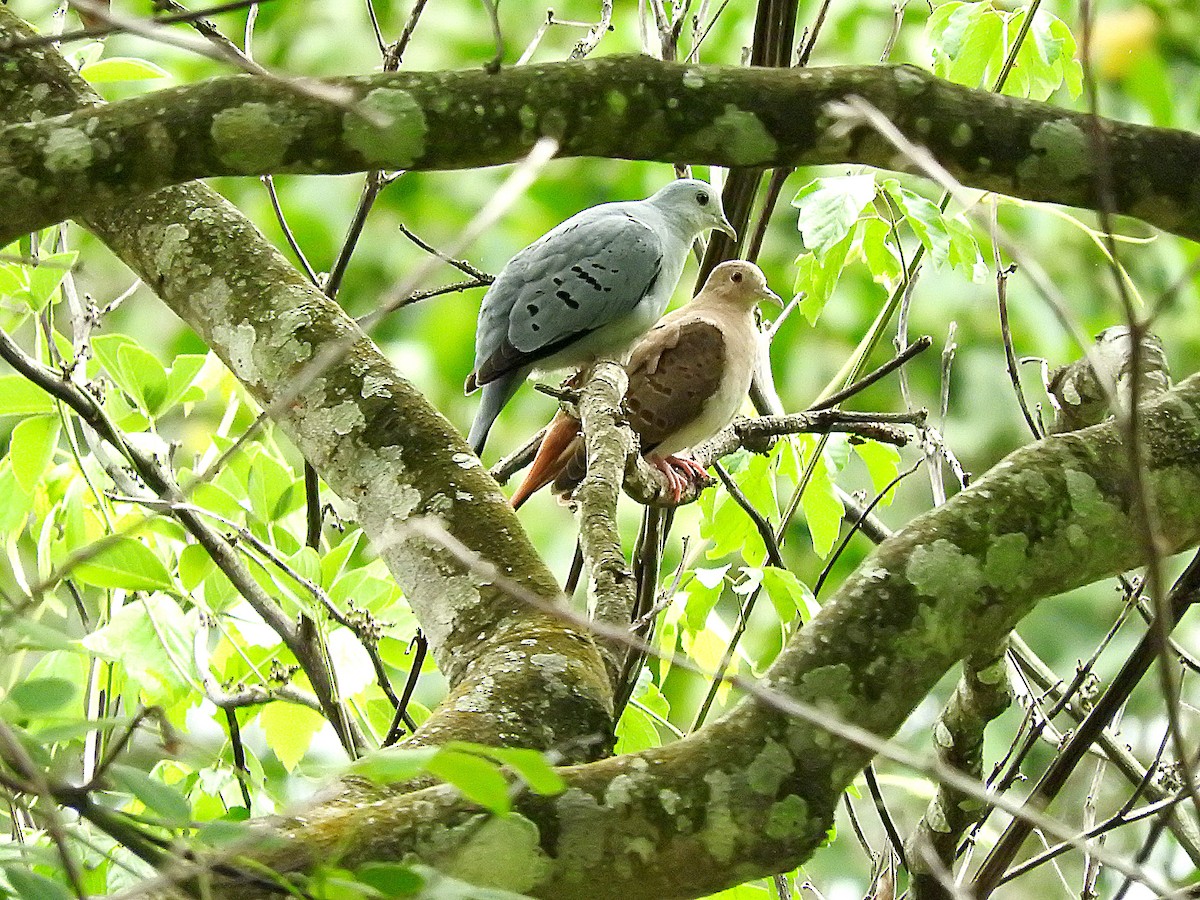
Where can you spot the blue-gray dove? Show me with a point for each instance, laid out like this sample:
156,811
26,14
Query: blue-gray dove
586,289
688,377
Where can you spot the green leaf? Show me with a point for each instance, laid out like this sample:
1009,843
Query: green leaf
873,240
145,377
883,464
829,207
32,886
789,595
152,639
707,649
479,780
31,449
289,730
195,564
121,68
703,592
530,765
59,731
164,800
965,41
749,891
35,635
636,732
964,248
14,281
15,504
39,696
817,274
273,489
822,509
390,879
927,223
367,588
124,563
21,397
47,275
333,562
181,387
394,765
218,500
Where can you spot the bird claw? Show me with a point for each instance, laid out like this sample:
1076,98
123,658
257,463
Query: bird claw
680,472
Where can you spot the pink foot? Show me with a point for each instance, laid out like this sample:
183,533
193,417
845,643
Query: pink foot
689,465
679,471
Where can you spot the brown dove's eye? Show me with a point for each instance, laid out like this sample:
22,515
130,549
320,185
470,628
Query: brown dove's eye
736,276
702,198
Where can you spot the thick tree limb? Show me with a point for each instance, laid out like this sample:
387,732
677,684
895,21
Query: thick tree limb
755,792
618,107
370,433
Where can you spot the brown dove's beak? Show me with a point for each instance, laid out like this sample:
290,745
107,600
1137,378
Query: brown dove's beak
724,226
768,294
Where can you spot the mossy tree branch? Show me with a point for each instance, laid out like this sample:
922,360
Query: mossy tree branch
617,107
755,792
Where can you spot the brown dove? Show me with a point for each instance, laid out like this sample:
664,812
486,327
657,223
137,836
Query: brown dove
688,377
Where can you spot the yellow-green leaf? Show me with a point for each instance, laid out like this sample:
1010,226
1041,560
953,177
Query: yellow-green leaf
122,68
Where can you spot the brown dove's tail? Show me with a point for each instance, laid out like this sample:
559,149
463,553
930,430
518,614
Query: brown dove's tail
557,448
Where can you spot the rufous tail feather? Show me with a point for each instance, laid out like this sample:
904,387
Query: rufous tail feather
557,448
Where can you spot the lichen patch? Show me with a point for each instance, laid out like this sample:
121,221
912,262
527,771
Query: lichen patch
738,135
387,126
249,139
67,150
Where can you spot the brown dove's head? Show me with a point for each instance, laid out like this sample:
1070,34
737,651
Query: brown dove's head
739,282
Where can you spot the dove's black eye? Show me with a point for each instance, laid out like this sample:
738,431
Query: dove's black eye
702,198
736,277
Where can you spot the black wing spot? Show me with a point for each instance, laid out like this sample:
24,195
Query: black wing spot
567,299
535,326
533,309
557,282
586,276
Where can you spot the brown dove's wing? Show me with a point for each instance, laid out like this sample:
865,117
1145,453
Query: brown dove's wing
673,372
669,388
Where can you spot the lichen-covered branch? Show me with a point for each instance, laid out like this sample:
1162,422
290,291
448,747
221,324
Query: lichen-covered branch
612,589
369,432
618,107
982,695
755,792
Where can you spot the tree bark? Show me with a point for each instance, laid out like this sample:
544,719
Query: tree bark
626,107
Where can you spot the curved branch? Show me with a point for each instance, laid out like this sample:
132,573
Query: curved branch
756,791
617,107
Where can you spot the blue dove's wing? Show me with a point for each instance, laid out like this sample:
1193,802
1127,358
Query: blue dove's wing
591,271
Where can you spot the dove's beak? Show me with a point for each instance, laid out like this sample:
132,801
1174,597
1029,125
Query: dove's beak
724,226
768,294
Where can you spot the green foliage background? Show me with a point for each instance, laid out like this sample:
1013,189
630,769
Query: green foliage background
1145,66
